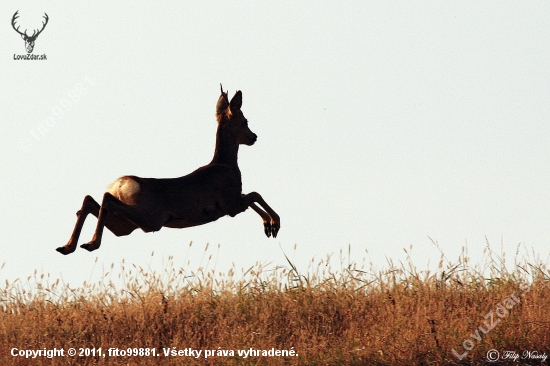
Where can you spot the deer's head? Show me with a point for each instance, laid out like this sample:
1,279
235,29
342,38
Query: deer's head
230,117
29,40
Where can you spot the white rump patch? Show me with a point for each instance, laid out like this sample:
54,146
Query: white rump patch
124,188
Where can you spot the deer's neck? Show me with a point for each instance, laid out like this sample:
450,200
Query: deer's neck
226,149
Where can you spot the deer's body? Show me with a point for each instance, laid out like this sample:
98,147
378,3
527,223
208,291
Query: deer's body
203,196
181,208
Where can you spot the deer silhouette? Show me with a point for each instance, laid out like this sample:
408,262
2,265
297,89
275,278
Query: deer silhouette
29,40
203,196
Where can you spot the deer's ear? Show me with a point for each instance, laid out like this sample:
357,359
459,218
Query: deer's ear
23,36
236,101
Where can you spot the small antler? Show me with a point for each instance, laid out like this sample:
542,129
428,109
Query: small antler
43,26
15,16
225,94
223,102
35,33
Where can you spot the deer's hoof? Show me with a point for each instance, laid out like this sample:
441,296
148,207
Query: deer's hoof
267,229
66,250
275,226
89,247
271,229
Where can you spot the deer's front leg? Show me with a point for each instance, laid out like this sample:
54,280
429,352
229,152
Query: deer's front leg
265,217
272,221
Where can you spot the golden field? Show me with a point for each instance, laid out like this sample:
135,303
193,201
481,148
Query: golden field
457,314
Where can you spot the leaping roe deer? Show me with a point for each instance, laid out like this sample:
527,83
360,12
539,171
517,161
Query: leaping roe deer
202,196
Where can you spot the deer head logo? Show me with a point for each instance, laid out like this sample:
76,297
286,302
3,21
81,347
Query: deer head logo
29,40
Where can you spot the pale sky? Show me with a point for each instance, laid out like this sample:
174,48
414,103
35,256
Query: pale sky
380,124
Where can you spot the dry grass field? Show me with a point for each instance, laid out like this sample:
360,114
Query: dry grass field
280,316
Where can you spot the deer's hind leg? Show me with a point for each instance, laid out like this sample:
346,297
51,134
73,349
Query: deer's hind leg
124,218
89,205
116,224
